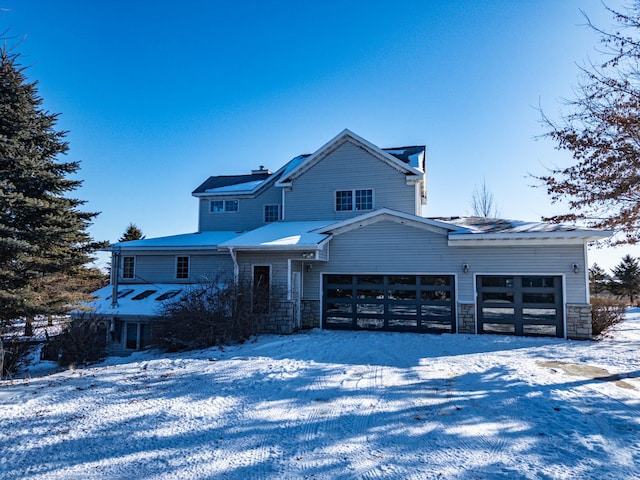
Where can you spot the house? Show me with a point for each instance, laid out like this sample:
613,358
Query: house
341,235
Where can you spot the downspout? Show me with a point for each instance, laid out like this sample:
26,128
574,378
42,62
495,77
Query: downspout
115,269
236,267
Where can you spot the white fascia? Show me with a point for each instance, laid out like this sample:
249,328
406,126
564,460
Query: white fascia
515,239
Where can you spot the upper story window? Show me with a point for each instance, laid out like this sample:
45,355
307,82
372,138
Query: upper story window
128,267
354,200
272,213
221,206
182,267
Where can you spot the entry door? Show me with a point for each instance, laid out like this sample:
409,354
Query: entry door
295,298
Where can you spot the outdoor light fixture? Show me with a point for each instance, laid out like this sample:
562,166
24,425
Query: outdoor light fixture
575,267
308,267
308,255
465,267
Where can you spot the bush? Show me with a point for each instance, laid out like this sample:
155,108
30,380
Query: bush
14,352
83,340
213,313
605,312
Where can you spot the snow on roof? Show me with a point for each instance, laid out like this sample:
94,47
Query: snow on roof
282,235
497,228
136,299
410,155
237,188
183,241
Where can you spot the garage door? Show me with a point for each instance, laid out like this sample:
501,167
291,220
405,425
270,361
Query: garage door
416,303
520,305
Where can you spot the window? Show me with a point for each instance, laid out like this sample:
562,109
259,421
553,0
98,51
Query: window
222,206
364,199
128,267
182,267
272,213
261,288
347,200
344,200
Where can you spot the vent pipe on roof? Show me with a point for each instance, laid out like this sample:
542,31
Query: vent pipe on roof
261,171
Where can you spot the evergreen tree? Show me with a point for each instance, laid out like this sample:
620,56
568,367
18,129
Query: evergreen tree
626,281
132,233
43,237
598,280
602,133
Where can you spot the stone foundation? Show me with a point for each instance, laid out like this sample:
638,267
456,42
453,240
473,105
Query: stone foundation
579,322
310,313
466,318
280,320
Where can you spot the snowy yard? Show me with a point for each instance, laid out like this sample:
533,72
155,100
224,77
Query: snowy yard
328,404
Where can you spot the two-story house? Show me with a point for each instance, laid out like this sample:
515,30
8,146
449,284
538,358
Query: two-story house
340,235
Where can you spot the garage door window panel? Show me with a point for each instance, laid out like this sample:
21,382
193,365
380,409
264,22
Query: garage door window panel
436,311
540,330
499,328
538,298
498,297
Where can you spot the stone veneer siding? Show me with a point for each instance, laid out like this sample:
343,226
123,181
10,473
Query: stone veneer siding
280,319
466,318
310,313
579,322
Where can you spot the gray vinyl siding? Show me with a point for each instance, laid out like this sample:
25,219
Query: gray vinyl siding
161,268
348,167
250,212
277,261
388,247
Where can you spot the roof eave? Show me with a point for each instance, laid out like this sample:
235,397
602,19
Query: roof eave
538,238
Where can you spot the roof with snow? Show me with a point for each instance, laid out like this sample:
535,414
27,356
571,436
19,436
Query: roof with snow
185,241
411,155
282,235
227,181
498,228
135,299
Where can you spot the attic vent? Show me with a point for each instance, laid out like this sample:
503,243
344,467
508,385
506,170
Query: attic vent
261,171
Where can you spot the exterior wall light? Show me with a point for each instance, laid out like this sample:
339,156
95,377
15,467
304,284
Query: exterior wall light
465,267
308,255
308,267
575,267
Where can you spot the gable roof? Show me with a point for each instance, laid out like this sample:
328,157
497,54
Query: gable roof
388,215
342,137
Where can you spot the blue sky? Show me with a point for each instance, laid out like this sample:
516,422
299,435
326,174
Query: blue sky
159,95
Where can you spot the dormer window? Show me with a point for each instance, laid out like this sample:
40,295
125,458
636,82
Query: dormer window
347,200
223,206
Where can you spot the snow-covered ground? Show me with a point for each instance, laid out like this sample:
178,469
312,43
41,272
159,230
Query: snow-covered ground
327,405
